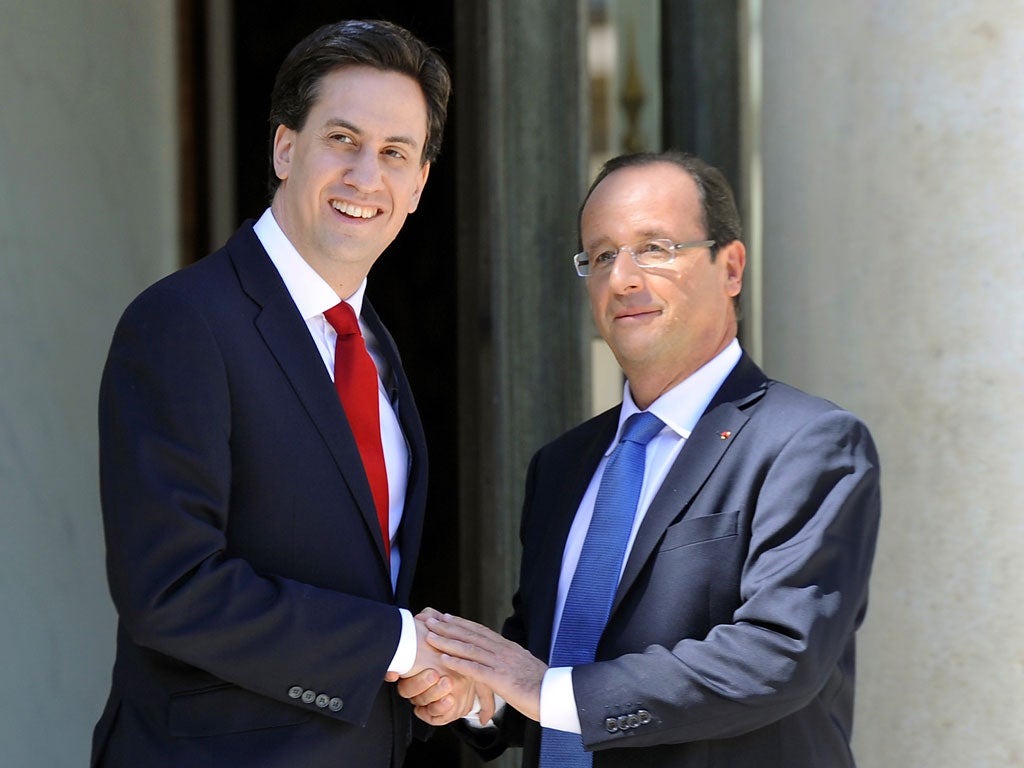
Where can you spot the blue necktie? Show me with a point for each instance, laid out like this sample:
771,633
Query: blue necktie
597,573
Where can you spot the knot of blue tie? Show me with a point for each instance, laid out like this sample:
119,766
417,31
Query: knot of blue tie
592,590
641,428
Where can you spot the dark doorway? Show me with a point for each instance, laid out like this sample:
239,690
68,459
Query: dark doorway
412,286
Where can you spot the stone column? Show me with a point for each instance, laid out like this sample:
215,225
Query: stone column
700,57
521,167
893,271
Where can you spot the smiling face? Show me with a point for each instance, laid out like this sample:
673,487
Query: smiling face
353,172
662,323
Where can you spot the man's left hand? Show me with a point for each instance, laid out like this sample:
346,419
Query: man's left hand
440,698
473,650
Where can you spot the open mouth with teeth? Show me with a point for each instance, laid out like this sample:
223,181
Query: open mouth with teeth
355,211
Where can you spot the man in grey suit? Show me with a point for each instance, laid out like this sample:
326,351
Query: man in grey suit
729,637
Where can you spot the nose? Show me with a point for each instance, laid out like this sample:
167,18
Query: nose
364,171
626,275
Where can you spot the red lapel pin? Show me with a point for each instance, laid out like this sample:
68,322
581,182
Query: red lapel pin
725,435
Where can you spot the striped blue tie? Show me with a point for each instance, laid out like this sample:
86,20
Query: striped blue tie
597,574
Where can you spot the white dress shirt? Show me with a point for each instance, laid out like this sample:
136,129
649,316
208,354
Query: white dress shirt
680,408
313,296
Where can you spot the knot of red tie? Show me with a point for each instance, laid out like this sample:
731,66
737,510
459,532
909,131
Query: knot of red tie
343,319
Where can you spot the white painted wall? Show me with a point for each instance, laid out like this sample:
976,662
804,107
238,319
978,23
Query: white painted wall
893,150
87,219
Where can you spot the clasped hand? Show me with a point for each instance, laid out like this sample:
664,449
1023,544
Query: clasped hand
465,662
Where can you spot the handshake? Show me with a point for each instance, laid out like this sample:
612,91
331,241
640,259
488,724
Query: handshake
461,666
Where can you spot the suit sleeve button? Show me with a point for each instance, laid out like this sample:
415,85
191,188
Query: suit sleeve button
633,720
295,692
335,704
645,716
308,697
611,725
322,700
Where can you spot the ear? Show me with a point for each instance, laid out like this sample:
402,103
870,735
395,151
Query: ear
733,257
414,201
284,145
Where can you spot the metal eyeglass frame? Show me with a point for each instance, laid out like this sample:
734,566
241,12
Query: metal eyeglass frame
581,260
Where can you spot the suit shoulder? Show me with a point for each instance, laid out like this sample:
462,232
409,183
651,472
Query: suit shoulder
204,281
570,442
778,394
188,285
786,410
212,286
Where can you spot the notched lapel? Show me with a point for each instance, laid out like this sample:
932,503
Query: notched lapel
713,435
694,465
401,395
287,337
560,506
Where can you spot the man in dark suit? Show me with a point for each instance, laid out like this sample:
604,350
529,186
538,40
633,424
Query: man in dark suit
256,558
743,564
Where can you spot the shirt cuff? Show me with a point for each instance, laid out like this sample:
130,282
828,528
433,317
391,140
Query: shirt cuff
558,701
405,656
472,718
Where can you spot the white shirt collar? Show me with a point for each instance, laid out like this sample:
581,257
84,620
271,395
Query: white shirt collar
311,293
682,406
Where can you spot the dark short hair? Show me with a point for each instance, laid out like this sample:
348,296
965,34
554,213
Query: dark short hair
721,218
379,44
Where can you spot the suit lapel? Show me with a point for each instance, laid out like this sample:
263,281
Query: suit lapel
725,415
578,467
287,337
400,392
399,389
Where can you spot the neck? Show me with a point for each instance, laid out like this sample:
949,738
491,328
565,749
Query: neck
343,275
648,382
648,388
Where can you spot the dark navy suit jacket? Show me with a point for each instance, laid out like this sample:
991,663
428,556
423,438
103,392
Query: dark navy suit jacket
731,638
256,613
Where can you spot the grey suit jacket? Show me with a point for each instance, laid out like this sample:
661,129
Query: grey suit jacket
731,638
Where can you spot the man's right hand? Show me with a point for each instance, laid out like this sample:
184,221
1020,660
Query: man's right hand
440,698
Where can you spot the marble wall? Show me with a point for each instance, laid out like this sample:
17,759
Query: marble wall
893,155
87,218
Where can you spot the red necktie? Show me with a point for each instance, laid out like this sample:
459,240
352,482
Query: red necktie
355,378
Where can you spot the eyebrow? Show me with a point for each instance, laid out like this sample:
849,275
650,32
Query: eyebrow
338,122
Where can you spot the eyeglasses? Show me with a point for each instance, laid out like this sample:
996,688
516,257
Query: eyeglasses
649,253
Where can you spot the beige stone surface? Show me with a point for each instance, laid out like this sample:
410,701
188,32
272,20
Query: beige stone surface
893,145
87,218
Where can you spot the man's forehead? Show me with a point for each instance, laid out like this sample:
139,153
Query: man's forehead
343,85
648,178
641,195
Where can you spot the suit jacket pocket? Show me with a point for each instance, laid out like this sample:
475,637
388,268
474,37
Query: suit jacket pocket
694,530
227,709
